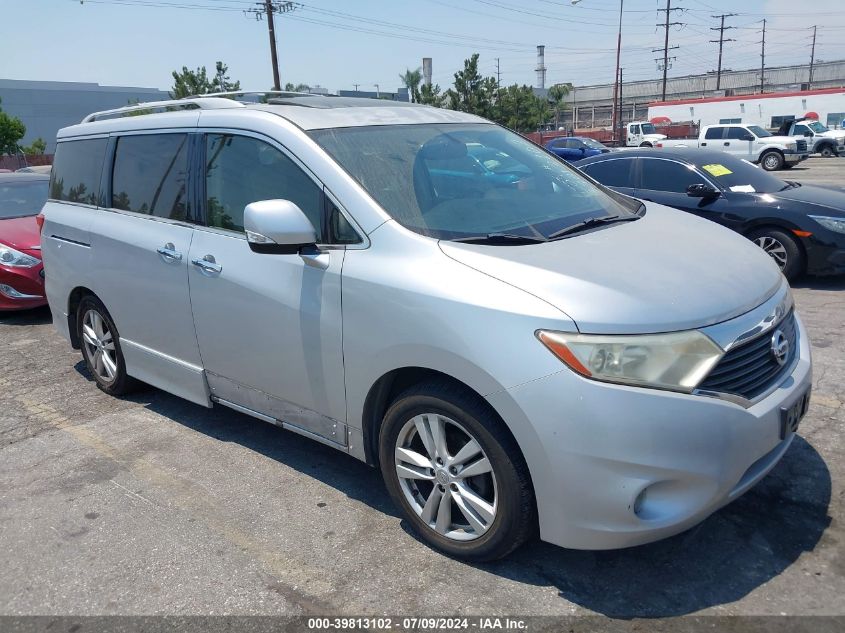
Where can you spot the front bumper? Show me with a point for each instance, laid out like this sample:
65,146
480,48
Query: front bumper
794,157
599,445
21,288
825,251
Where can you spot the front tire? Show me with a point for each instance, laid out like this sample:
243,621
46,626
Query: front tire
646,144
782,248
455,472
827,151
771,161
100,344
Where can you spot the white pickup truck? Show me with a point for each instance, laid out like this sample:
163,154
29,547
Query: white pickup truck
642,134
820,140
750,142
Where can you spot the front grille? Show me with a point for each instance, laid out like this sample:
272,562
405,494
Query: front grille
751,368
802,146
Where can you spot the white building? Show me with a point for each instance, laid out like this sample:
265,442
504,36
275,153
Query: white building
765,110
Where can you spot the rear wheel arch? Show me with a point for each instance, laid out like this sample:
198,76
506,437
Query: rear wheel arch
74,299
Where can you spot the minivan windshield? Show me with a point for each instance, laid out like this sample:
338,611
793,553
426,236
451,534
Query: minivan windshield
460,181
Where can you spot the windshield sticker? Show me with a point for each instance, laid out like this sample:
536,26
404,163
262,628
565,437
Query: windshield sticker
716,169
743,189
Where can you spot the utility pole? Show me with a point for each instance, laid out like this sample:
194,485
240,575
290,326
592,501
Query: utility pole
812,60
615,115
721,41
666,48
763,61
356,87
620,103
268,8
498,75
378,91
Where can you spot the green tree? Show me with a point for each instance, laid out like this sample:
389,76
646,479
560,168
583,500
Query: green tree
411,79
430,95
188,83
471,92
36,148
518,108
12,130
291,87
557,95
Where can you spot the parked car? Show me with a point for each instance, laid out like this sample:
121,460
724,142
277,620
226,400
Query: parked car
820,140
750,142
572,148
21,271
35,169
489,347
802,227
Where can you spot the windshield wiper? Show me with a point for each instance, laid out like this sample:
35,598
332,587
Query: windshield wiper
501,238
591,222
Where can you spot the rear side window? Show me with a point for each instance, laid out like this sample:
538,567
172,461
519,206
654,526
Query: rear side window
241,169
666,175
77,167
150,175
714,133
612,173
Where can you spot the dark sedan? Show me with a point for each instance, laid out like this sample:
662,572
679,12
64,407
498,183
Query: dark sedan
802,227
573,148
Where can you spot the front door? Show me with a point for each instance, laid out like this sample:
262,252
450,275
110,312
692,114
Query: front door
666,181
269,326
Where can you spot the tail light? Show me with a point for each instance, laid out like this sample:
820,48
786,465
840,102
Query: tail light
39,220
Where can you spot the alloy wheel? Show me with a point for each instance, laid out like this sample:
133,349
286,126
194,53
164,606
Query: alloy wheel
99,346
771,162
446,477
774,248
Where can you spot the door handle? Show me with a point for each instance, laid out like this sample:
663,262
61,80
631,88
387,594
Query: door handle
169,253
207,265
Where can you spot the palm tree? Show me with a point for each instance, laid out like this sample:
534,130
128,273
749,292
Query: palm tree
557,94
412,80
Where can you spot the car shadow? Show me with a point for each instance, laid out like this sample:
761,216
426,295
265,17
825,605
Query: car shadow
35,316
833,282
736,550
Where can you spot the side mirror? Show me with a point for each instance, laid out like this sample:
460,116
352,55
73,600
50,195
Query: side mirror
278,227
701,190
748,137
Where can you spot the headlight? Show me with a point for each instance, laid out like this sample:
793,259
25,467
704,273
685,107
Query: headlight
834,224
10,257
678,361
791,145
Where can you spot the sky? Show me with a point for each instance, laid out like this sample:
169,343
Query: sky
337,44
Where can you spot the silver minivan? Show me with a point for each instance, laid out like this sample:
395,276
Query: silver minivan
520,350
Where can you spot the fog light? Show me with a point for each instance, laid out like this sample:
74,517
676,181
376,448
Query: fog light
11,293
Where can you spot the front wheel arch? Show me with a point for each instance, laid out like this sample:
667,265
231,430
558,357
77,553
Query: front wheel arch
770,153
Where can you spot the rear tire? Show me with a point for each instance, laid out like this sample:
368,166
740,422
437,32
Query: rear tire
783,248
100,343
771,161
436,500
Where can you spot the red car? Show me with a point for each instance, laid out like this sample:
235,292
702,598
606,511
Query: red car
21,271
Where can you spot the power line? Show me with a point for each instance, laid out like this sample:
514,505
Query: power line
721,41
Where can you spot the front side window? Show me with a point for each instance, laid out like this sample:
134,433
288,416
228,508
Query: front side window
77,167
150,175
21,198
736,133
616,172
801,130
241,169
417,174
635,129
665,175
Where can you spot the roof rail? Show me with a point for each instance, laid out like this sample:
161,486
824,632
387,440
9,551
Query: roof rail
151,107
238,93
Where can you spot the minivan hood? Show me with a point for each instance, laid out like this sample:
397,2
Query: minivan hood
665,272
